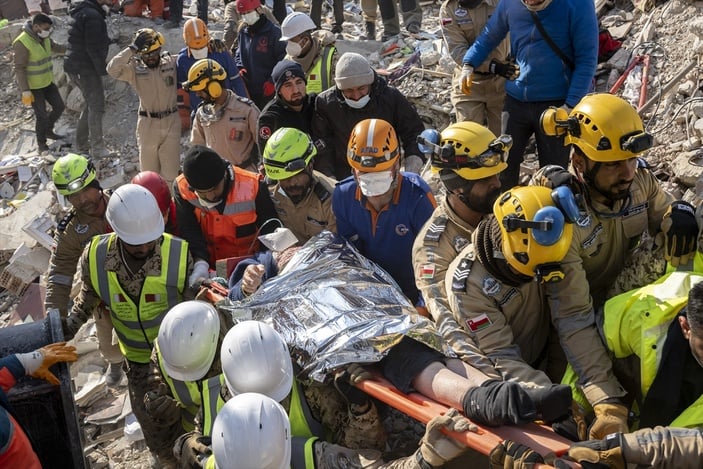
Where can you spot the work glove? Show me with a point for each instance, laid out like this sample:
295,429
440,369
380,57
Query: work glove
553,176
599,454
192,449
496,403
217,45
50,355
346,378
27,98
141,41
201,271
680,231
552,403
413,164
437,448
511,455
161,407
610,418
508,70
269,88
466,77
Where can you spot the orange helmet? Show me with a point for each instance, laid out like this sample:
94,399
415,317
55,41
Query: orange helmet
373,146
156,185
195,33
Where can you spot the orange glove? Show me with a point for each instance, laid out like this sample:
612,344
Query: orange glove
52,354
466,78
27,98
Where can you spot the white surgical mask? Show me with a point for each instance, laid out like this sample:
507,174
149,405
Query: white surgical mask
357,104
208,204
251,17
293,49
44,34
373,184
199,53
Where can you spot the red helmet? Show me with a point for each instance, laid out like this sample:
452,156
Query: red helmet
157,186
245,6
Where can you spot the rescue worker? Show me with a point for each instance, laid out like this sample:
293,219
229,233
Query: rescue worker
462,22
292,106
139,272
259,50
161,190
469,175
33,48
312,48
410,10
301,195
221,209
233,21
224,121
361,94
495,286
75,178
379,208
15,447
136,8
199,45
621,201
85,61
152,73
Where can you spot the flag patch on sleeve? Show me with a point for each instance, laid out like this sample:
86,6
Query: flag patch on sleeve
479,322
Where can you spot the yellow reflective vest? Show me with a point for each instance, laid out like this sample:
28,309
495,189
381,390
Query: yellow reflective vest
186,393
39,71
320,74
137,325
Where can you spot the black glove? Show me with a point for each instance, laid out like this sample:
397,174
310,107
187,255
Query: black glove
680,231
344,381
599,454
508,70
141,40
217,45
496,403
514,455
161,407
191,449
553,176
552,403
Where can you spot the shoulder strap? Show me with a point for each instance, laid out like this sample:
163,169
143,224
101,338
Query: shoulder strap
549,40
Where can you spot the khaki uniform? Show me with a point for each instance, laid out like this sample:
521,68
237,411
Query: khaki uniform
663,447
72,236
158,124
311,215
233,135
436,246
460,28
600,247
159,437
510,323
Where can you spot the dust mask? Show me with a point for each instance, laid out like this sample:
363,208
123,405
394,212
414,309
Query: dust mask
44,34
293,49
251,17
373,184
358,104
199,53
207,204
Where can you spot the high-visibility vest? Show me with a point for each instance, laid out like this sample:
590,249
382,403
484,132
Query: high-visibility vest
39,71
220,230
137,325
212,401
319,77
186,393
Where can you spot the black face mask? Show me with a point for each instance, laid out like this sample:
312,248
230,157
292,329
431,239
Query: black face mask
470,4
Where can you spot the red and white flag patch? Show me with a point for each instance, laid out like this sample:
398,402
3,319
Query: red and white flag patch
479,322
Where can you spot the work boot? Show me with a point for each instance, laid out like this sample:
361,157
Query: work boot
42,147
370,31
413,27
54,136
113,374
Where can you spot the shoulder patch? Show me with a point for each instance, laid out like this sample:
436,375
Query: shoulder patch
481,321
66,220
245,100
462,273
459,242
264,132
435,230
321,192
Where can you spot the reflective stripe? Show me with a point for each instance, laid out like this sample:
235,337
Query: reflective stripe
236,207
39,70
302,454
185,392
302,423
212,402
318,77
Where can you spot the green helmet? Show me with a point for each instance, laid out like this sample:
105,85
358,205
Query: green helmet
72,173
288,151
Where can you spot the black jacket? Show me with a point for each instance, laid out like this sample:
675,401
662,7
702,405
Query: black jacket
334,120
88,42
277,114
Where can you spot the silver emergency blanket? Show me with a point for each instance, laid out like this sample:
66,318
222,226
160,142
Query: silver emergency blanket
335,307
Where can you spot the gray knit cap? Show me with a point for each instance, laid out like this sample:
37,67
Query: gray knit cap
353,70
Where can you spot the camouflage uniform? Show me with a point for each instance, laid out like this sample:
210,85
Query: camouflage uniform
438,243
233,134
72,236
311,215
602,243
140,376
460,28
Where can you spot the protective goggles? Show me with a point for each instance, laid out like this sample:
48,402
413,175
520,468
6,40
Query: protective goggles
366,161
294,165
76,184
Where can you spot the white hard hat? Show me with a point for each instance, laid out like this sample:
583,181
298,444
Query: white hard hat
251,431
188,340
294,24
134,215
255,358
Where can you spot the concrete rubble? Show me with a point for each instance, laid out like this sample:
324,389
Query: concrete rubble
418,65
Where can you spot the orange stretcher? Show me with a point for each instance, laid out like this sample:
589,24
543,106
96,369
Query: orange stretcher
538,437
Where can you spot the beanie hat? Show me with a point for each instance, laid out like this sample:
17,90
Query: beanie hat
353,70
203,168
285,70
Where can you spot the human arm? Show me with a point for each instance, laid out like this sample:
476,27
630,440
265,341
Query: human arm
86,301
96,39
121,66
267,124
234,79
197,133
261,266
35,364
584,43
21,55
455,39
492,34
407,123
265,210
189,227
322,135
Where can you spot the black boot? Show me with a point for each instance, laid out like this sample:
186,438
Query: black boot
370,31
